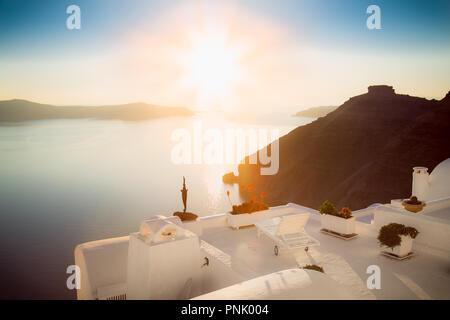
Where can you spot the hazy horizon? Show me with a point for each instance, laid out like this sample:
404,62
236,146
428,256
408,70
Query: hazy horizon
285,110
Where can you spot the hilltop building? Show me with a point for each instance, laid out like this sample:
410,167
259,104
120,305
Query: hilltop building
381,90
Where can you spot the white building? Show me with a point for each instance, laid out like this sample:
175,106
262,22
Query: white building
213,259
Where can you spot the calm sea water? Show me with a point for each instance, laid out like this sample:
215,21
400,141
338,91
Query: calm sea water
65,182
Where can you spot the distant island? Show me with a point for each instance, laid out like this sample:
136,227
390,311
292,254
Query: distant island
360,154
22,110
315,112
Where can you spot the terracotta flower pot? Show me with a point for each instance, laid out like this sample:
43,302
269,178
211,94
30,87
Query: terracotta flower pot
413,207
186,216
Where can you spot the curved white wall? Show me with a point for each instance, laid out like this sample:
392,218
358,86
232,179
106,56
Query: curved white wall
432,186
434,233
439,181
295,284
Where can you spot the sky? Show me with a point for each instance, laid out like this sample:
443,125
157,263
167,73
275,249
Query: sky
253,55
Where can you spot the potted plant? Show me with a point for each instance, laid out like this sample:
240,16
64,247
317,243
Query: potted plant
413,205
398,238
183,215
247,213
189,219
341,223
249,207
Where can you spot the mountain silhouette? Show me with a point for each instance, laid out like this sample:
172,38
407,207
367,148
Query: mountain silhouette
361,153
22,110
315,112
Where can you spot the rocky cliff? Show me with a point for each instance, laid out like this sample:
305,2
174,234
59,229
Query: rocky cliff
359,154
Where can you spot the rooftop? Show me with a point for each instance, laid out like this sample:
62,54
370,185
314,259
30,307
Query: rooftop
345,262
223,256
243,256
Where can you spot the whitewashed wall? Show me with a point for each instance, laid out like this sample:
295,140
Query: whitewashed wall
434,232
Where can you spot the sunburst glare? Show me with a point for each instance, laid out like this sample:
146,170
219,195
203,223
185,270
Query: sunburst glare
212,69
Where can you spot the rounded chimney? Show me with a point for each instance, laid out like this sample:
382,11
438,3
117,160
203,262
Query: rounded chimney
420,183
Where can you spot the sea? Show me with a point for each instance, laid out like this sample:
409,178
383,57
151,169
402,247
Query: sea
66,182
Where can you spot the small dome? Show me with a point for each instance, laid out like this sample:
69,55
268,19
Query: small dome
440,181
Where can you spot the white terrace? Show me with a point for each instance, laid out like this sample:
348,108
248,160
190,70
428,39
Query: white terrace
212,258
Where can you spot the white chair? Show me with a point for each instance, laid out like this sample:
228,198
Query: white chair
288,232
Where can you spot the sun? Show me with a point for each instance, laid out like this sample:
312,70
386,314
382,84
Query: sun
212,69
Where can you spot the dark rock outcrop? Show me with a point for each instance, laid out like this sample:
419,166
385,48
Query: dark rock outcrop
361,153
